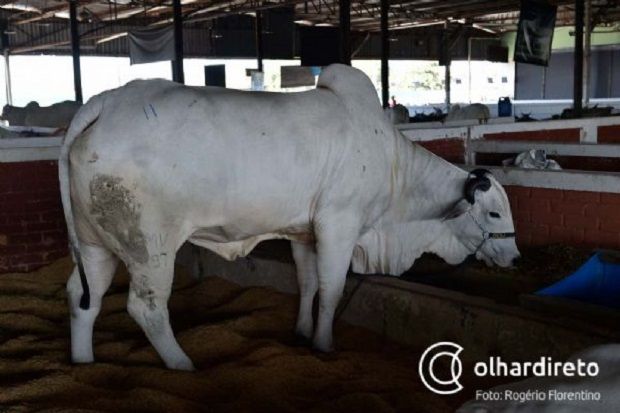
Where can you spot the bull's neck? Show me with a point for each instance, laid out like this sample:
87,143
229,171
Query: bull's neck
428,184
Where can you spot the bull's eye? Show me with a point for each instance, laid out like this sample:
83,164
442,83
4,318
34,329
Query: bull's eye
494,214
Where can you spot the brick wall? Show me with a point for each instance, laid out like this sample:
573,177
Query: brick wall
554,216
609,134
552,135
32,226
451,149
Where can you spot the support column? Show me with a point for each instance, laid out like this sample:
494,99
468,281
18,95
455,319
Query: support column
345,31
587,52
385,54
177,64
447,62
75,51
578,63
7,78
259,39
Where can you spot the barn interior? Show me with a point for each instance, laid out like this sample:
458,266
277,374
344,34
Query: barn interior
236,319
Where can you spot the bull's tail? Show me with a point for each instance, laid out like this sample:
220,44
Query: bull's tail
85,117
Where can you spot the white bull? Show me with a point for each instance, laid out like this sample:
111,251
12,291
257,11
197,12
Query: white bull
397,114
476,111
150,165
58,115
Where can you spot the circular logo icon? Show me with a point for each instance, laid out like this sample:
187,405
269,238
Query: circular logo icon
427,367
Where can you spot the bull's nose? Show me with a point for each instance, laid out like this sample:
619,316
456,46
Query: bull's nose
516,261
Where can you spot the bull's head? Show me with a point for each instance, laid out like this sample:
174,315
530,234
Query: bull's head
482,220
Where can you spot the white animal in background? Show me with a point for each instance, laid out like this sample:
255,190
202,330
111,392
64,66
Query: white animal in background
397,114
58,115
474,111
576,391
533,159
156,163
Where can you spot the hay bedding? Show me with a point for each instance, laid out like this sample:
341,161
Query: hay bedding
239,338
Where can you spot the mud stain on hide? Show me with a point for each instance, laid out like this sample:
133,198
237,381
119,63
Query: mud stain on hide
117,212
144,292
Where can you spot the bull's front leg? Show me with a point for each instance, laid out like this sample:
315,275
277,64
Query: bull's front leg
307,279
336,238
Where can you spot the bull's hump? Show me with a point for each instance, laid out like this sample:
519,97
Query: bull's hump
356,93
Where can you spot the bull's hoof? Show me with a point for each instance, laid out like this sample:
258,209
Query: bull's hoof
321,347
82,359
182,365
323,355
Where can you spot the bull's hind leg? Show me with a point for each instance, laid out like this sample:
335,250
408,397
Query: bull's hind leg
336,237
99,267
149,290
305,261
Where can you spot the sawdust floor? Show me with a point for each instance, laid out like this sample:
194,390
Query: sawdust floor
239,338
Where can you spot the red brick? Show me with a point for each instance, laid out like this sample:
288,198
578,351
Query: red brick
520,191
558,234
21,216
545,193
51,216
577,236
44,226
13,228
536,205
610,198
540,235
547,218
28,238
554,135
605,239
580,222
524,237
45,247
521,216
604,212
609,134
12,249
610,225
590,197
26,259
566,207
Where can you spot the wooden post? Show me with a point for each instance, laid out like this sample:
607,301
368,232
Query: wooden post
345,31
75,51
385,54
177,64
578,62
259,39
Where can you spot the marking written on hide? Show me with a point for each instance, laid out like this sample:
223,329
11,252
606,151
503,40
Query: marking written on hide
157,240
158,260
150,109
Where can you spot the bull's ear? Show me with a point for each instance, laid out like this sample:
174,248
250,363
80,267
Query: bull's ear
460,208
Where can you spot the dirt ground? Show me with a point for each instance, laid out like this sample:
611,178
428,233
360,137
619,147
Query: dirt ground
239,338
